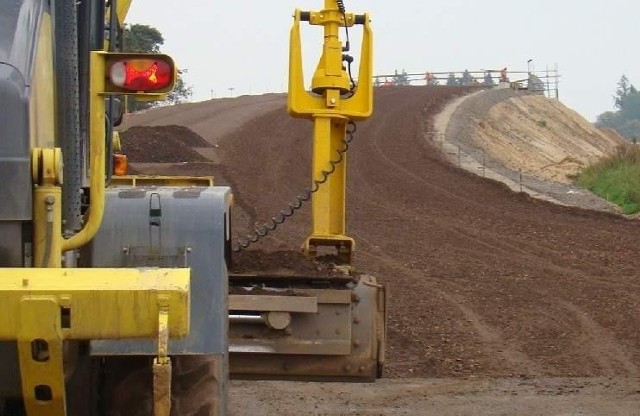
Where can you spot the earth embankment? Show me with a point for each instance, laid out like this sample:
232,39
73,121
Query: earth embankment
531,143
484,281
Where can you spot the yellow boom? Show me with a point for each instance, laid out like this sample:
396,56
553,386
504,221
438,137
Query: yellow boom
332,103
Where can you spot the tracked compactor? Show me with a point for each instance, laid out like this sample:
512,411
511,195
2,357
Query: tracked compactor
316,327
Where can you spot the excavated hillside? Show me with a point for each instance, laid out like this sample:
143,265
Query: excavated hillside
484,281
529,132
531,143
543,137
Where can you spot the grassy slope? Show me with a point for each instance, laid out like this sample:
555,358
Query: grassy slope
617,179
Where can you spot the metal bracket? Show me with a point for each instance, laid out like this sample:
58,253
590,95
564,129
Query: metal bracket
40,356
162,364
329,76
46,166
42,307
345,246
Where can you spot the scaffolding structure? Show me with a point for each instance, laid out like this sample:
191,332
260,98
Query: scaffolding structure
543,82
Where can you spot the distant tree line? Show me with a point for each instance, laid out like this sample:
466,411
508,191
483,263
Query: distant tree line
626,118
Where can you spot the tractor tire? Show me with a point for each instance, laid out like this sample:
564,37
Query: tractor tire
198,386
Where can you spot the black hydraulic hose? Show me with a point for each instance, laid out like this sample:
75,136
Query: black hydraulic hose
49,201
299,200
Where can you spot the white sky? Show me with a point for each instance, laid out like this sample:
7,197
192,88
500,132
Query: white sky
244,44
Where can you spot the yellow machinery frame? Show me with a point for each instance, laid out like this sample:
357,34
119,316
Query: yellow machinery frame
45,305
331,105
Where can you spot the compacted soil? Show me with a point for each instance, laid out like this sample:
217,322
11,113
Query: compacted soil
485,283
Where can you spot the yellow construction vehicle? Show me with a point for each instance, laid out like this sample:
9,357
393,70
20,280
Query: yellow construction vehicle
114,292
305,327
60,73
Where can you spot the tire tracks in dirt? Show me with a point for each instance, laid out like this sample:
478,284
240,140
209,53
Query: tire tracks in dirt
512,359
602,346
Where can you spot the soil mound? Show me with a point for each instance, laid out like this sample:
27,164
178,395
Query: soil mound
284,263
210,119
162,144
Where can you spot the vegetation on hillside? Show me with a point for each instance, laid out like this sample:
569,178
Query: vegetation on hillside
616,178
626,119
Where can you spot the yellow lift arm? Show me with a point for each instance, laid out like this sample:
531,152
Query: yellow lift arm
332,103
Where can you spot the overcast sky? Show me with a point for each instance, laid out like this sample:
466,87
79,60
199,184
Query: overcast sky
244,44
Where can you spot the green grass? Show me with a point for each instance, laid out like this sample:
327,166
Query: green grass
616,178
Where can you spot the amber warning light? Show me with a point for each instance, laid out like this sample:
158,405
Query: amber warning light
141,74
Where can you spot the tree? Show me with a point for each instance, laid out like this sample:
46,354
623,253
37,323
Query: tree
401,78
181,91
142,39
625,89
630,107
608,119
488,79
466,79
147,39
626,119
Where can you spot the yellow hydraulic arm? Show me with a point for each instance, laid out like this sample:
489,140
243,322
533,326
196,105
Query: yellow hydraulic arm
332,103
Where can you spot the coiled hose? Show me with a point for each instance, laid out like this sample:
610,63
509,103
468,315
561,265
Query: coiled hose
281,217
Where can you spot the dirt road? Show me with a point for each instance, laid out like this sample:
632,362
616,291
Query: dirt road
440,397
485,283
